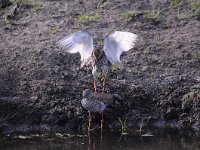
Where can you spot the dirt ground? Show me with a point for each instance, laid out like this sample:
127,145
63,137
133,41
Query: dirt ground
41,86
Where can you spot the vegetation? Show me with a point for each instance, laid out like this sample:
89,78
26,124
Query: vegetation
102,76
176,3
146,50
37,4
91,18
113,68
130,15
153,15
154,37
100,7
6,118
53,30
181,16
100,43
87,19
156,14
195,6
10,10
198,55
135,69
141,126
123,124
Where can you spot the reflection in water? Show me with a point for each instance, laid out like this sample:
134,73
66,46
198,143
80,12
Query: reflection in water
108,141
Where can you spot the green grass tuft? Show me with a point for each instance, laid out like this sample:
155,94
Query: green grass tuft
176,3
152,15
87,19
198,55
195,6
130,15
53,30
123,124
146,50
113,68
141,126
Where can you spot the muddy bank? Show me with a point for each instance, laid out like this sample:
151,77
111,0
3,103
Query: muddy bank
41,86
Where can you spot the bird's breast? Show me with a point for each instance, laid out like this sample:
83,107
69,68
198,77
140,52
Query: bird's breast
93,105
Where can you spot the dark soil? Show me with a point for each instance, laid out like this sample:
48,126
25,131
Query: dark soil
41,86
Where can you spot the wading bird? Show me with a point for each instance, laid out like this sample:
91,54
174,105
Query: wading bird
115,43
93,102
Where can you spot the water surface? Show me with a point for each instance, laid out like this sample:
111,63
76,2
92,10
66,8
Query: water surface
161,140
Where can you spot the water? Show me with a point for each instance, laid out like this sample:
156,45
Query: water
161,140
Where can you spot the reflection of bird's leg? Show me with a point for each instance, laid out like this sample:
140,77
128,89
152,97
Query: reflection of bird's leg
104,83
94,145
102,121
89,138
89,122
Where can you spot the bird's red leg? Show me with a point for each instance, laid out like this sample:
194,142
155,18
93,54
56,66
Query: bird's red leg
90,120
104,83
95,87
101,124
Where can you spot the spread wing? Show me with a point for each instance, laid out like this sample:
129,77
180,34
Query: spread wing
117,42
81,41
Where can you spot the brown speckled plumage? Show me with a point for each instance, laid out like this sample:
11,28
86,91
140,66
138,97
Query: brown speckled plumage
95,102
